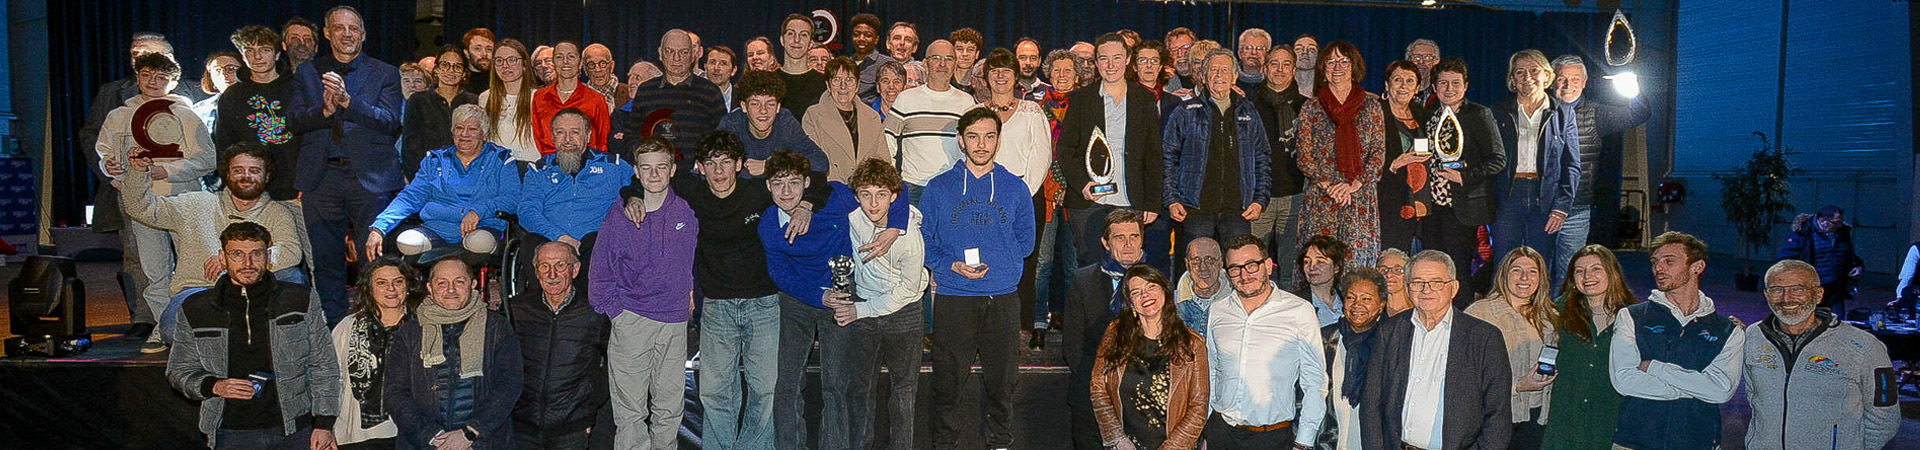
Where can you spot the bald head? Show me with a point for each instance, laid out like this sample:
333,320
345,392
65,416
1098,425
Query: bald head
555,265
940,63
677,54
1204,259
598,63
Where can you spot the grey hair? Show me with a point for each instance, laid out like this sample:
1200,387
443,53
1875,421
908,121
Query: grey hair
356,14
1433,256
1568,61
1059,54
1390,251
895,68
1255,32
1790,264
155,37
1200,76
473,111
1408,55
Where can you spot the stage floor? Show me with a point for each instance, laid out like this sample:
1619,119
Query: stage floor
115,397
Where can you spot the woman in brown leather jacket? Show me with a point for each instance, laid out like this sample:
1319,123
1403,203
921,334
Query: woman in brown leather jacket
1150,378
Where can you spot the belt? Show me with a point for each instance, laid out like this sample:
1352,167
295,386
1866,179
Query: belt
1259,429
340,161
1406,446
1529,176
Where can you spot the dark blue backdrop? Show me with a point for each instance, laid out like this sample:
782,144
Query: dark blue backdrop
90,37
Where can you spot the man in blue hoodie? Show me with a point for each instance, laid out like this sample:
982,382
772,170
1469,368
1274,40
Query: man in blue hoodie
803,268
976,243
566,195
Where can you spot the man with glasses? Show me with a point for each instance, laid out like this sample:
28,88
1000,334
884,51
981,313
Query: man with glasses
600,76
563,344
921,126
1253,46
565,93
1201,283
1264,346
1179,43
1439,379
255,353
1424,54
1674,359
1845,395
1093,301
677,106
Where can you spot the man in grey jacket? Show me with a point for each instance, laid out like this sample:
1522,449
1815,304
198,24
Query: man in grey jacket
1833,379
256,353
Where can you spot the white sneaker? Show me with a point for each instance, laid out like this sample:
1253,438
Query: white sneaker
154,344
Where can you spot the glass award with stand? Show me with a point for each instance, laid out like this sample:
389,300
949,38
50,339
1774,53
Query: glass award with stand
1102,171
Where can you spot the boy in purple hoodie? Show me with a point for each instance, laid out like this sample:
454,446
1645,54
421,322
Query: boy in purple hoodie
642,278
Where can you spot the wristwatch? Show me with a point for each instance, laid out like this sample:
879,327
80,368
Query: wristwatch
471,435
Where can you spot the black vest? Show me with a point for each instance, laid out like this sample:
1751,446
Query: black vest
1584,117
1673,424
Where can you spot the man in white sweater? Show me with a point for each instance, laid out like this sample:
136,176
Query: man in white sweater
921,126
150,255
193,222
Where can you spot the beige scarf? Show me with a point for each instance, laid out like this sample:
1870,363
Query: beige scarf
473,338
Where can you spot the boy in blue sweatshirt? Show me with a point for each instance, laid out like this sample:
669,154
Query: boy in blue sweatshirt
801,266
979,231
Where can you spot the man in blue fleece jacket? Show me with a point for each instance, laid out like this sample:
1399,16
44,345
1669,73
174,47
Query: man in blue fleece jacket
800,266
566,196
976,243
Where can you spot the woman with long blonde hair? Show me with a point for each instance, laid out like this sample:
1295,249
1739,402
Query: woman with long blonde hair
1521,308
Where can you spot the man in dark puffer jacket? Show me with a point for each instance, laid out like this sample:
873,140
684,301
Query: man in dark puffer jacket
563,345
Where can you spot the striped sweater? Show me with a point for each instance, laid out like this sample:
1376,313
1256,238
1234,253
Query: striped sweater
922,131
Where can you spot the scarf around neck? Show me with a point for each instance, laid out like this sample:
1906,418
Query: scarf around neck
1115,270
473,338
1359,353
1348,155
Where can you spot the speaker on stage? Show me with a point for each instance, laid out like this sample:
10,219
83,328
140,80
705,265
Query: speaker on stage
48,298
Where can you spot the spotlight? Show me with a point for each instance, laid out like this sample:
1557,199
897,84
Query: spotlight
1626,83
1429,2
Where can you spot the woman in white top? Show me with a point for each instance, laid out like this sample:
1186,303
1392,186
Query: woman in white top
1523,311
386,297
509,100
1026,142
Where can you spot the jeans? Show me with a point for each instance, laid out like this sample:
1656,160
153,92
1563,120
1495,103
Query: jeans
1030,278
1220,436
1221,227
842,424
893,340
1277,227
1573,236
736,334
964,327
335,212
1522,221
646,374
1045,258
264,438
134,282
569,441
154,249
170,313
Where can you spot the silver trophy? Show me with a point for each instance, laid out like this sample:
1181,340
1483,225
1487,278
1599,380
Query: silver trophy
1102,173
842,267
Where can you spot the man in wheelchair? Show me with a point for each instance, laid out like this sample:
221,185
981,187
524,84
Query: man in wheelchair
457,195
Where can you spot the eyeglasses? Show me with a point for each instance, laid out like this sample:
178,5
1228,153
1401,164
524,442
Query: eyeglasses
1237,270
841,80
1340,62
1795,291
1256,48
1208,261
543,267
1427,286
1146,61
508,61
599,63
1424,58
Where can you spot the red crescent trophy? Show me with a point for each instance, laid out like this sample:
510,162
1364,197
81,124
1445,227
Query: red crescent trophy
156,129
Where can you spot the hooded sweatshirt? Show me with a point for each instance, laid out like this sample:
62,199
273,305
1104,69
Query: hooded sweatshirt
196,144
991,213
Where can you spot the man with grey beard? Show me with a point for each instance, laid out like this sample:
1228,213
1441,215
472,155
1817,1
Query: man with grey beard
566,195
1306,53
1845,395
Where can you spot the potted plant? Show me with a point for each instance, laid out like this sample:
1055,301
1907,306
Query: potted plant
1754,196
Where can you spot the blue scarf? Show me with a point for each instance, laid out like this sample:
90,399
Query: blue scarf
1359,353
1115,270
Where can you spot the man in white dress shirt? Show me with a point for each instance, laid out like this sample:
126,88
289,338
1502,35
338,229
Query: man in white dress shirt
1439,378
1252,332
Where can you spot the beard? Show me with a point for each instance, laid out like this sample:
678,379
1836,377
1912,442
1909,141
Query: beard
1791,320
570,161
250,192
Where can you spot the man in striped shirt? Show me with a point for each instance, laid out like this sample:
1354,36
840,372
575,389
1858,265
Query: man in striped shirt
693,105
920,127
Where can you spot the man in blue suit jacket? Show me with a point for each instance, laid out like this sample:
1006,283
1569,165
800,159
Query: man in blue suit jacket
347,109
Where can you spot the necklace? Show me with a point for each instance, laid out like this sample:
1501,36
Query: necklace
1002,108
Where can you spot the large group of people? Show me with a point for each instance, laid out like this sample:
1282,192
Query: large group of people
1239,245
